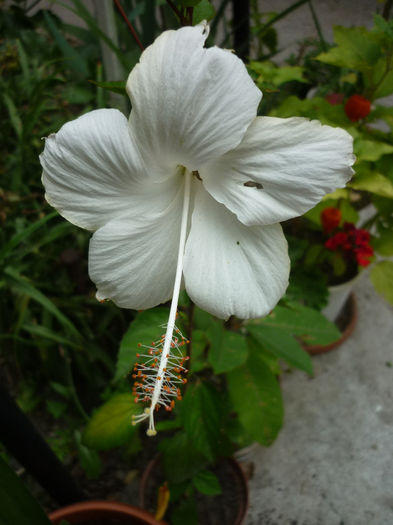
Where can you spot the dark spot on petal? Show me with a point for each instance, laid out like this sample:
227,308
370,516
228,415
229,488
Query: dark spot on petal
252,184
237,242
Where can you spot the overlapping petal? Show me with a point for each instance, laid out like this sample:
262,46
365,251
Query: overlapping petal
132,259
189,104
93,172
281,169
232,269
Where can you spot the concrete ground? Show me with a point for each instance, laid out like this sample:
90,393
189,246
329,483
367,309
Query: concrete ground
332,463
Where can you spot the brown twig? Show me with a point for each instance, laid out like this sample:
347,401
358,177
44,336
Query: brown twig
130,26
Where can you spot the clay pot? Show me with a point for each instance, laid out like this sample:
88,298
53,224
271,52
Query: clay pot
338,296
103,512
346,322
230,507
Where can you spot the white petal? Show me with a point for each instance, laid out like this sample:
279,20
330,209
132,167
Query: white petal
190,104
132,260
92,171
232,269
281,169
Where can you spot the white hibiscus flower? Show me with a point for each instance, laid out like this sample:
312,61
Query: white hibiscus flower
191,189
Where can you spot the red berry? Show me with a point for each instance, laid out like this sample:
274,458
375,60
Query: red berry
357,107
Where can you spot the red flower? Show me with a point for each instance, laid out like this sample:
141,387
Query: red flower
357,107
330,219
337,241
353,243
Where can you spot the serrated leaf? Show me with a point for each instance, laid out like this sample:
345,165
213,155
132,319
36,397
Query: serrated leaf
227,349
356,49
300,320
203,11
282,345
381,276
111,424
201,414
144,329
256,397
207,483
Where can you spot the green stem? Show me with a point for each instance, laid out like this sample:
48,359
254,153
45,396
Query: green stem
317,26
386,9
71,386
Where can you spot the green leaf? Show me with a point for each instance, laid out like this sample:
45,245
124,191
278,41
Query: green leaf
384,243
145,328
199,342
24,234
201,414
116,87
15,118
383,26
256,397
203,11
20,284
17,504
283,345
185,512
373,182
188,3
181,459
371,150
56,408
227,349
207,483
74,59
381,276
47,333
111,424
269,72
89,459
356,49
306,322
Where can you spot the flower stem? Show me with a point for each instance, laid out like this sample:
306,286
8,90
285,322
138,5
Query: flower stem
130,26
175,299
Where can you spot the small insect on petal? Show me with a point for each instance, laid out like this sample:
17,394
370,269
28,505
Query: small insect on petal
253,184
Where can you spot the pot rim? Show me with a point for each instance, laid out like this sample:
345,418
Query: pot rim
321,349
97,509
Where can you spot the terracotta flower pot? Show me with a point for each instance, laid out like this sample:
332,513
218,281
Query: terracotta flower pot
107,512
229,508
338,296
346,325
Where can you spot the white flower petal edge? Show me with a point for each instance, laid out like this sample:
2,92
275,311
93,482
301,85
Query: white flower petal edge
189,104
232,269
93,172
132,259
281,169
